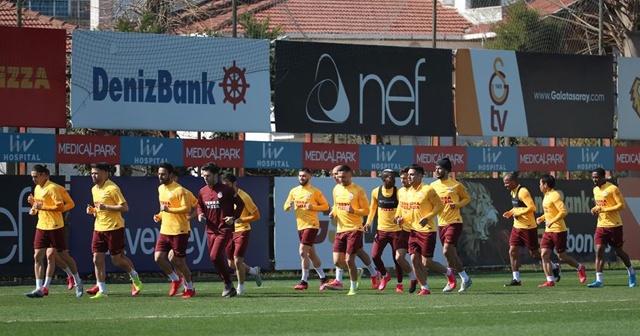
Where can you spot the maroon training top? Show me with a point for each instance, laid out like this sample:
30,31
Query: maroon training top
217,203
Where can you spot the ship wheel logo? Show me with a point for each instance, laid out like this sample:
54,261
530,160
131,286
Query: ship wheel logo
234,85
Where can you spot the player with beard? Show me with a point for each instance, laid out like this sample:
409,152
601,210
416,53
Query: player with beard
454,196
219,206
609,203
306,200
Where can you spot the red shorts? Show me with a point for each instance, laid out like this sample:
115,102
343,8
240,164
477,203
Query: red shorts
112,241
307,236
348,242
450,234
557,240
381,240
50,238
611,236
238,244
423,243
524,237
403,240
177,243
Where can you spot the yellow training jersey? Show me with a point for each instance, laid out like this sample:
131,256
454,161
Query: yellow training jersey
610,201
554,212
109,194
350,196
422,202
387,209
523,209
248,212
66,198
49,196
404,207
451,192
174,221
301,196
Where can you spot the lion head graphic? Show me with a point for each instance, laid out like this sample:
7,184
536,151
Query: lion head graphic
635,95
478,217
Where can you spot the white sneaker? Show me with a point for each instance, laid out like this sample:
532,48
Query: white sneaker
446,289
240,291
465,285
79,290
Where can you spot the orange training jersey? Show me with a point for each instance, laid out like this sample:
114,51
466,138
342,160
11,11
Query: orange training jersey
174,221
354,196
610,201
385,215
49,196
523,216
554,212
249,208
450,192
423,202
109,194
301,196
404,208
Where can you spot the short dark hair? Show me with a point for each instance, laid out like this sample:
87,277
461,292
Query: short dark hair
512,175
229,177
306,170
404,170
549,180
39,168
344,168
168,167
600,171
102,166
417,168
211,167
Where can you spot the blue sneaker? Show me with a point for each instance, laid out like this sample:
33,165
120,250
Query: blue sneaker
632,280
595,284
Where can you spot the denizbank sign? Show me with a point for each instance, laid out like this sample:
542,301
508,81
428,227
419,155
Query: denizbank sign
158,82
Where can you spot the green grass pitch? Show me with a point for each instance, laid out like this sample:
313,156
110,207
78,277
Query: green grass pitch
487,308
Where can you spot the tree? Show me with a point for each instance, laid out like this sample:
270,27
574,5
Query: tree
522,30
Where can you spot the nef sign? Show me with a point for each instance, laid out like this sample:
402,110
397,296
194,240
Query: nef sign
363,89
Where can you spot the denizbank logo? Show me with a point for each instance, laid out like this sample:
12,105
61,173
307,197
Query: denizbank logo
162,86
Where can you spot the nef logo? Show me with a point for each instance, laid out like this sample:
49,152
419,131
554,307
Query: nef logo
327,102
499,92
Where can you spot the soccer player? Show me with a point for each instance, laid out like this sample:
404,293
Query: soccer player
385,199
108,235
175,230
350,204
423,204
306,200
609,203
49,237
63,258
454,196
362,255
219,206
239,243
402,244
555,231
525,230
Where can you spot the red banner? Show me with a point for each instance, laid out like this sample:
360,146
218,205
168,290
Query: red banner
627,158
87,149
327,156
428,156
542,158
33,77
224,153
